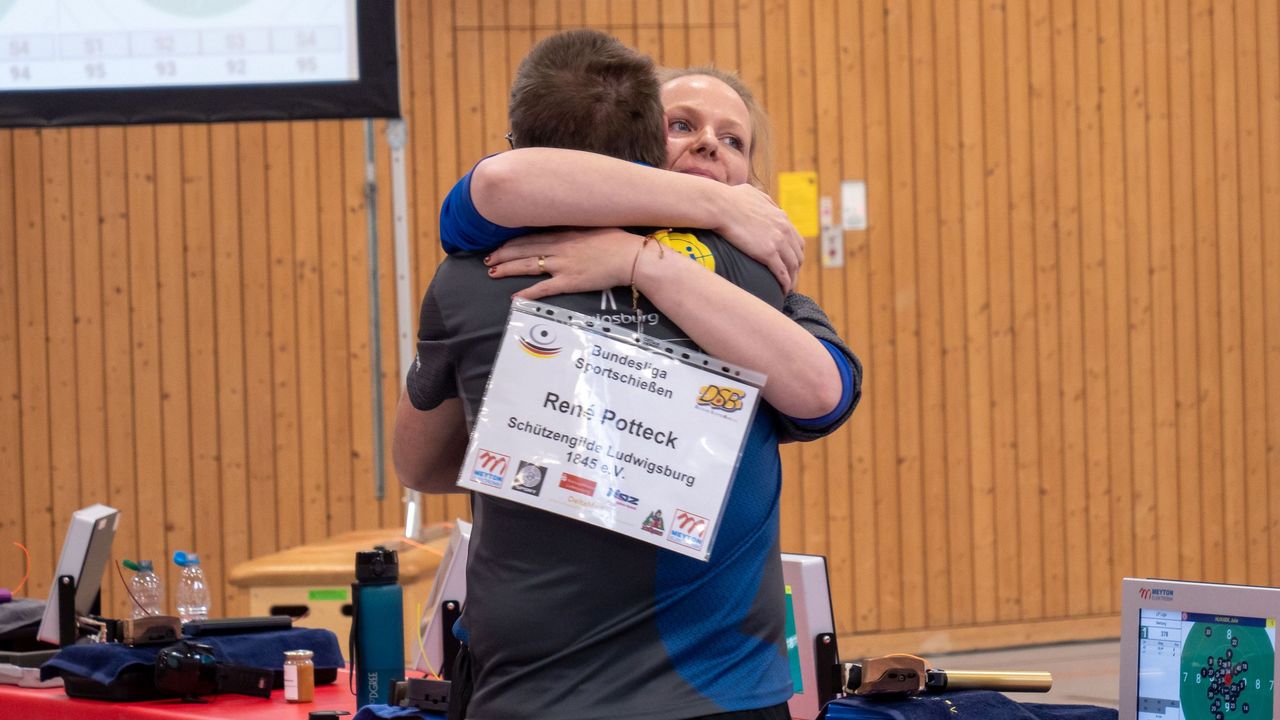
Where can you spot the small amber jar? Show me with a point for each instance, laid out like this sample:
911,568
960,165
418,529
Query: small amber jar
299,676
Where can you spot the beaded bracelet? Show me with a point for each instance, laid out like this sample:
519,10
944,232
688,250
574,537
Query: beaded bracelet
635,294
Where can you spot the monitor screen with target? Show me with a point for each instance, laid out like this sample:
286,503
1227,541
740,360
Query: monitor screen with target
1192,651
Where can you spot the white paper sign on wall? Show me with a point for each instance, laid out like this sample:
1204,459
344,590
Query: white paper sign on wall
853,204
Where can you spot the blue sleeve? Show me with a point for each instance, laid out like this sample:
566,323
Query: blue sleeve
809,316
463,228
847,389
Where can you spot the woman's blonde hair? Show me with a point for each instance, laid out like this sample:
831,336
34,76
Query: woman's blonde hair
759,154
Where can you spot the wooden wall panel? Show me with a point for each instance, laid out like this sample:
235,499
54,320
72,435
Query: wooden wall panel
1158,134
977,304
144,327
1067,300
1141,270
1184,283
13,509
864,579
958,520
1252,352
63,460
32,366
260,473
902,313
175,380
1071,311
198,230
926,153
834,503
1049,485
1024,439
228,324
87,224
286,448
1269,115
365,511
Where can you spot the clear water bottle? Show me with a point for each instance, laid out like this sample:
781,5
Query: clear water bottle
193,594
146,589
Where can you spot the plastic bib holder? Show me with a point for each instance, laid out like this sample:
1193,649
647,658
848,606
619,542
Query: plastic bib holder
595,422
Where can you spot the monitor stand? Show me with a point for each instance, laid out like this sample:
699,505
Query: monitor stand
68,627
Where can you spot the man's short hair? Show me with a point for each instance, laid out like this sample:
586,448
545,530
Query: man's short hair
585,90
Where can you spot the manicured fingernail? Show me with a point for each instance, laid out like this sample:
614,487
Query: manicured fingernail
493,270
487,258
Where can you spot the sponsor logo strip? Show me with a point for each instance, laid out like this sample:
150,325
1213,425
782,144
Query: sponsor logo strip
490,468
688,529
577,484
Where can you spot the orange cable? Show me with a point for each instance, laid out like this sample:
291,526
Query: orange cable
28,572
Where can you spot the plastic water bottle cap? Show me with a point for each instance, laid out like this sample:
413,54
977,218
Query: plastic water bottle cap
185,559
131,565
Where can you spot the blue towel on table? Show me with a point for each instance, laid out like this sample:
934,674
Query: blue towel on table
976,704
265,650
376,712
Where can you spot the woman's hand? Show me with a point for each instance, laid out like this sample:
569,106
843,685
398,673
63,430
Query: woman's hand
576,260
755,224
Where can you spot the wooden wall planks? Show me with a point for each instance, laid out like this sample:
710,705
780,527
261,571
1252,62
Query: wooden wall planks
1068,299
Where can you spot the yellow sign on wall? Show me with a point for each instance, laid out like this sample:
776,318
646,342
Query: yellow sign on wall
798,196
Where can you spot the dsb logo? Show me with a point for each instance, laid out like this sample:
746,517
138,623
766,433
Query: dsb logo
726,399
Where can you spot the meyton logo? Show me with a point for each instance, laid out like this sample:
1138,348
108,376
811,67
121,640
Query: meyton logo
1160,594
688,245
540,342
726,399
490,468
688,529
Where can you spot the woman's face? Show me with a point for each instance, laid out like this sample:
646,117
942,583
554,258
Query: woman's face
708,129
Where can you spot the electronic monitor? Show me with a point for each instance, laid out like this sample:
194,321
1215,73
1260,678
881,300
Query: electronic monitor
89,62
1198,651
86,550
809,617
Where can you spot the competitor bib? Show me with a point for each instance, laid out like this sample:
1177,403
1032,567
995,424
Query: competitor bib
594,422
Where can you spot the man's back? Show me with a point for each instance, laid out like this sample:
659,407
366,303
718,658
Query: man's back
567,620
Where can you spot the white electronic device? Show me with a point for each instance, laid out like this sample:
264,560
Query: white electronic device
811,639
1198,651
450,585
86,550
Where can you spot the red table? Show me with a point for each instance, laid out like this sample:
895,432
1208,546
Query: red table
53,704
